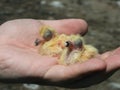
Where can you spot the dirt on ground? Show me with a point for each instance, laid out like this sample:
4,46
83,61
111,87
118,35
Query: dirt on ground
102,16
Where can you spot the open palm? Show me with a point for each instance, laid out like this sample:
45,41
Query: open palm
19,57
19,53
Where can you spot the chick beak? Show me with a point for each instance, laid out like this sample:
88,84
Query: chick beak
37,42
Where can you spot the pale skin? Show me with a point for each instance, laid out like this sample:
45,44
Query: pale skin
20,62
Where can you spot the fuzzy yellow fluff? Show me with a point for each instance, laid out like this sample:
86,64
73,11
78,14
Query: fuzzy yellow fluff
55,47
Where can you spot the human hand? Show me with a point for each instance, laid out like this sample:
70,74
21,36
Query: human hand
20,62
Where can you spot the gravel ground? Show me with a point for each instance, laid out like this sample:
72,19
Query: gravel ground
103,17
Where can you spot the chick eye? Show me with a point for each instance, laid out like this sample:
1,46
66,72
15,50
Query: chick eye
48,35
78,43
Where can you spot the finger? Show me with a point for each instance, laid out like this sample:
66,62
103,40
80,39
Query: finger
68,26
59,72
105,55
113,60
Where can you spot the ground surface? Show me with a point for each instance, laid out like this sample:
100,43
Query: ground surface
103,17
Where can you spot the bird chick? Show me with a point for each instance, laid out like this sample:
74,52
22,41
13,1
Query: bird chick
69,49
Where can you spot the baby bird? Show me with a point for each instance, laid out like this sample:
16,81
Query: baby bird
76,51
69,49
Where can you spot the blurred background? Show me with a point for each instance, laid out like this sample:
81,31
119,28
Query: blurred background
103,17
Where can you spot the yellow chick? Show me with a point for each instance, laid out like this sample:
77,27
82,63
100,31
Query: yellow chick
69,49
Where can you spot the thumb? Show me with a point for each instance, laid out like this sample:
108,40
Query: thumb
112,59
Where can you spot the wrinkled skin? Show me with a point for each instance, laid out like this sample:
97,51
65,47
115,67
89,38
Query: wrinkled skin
20,62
